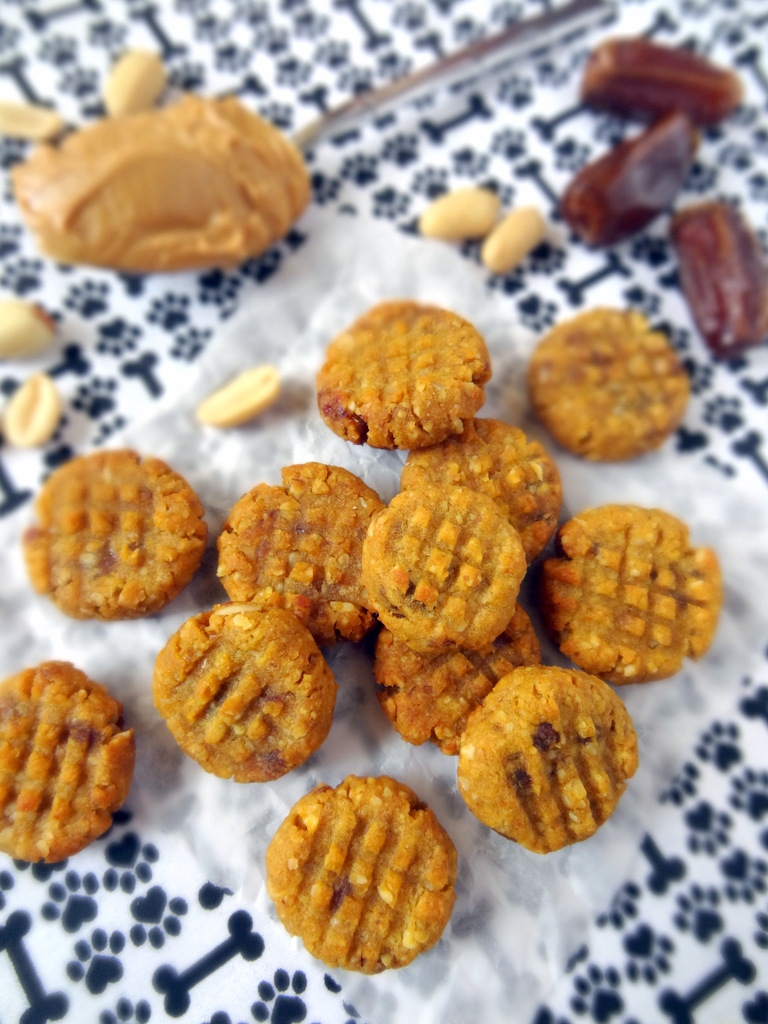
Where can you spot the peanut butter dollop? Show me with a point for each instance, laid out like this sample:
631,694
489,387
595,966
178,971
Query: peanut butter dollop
201,182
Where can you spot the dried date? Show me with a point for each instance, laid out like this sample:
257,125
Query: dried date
636,77
724,275
619,193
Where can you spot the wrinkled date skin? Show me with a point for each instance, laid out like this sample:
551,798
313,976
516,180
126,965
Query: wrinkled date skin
724,275
636,77
619,193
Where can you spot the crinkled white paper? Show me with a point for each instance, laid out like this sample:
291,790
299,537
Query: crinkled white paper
518,915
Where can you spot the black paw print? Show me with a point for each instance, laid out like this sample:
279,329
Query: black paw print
41,872
230,57
291,71
261,268
58,50
96,397
88,299
511,283
649,952
651,249
724,412
639,298
546,258
746,876
390,203
360,169
126,1011
189,344
324,188
596,993
393,65
709,828
100,955
9,239
277,1003
536,312
83,83
701,375
210,896
430,182
280,114
758,186
217,288
131,862
701,177
401,149
682,786
517,91
718,747
152,921
107,428
750,793
271,39
571,155
761,935
469,161
623,907
117,337
756,1010
309,24
756,706
509,143
188,76
698,912
6,883
108,35
72,901
170,311
333,53
22,276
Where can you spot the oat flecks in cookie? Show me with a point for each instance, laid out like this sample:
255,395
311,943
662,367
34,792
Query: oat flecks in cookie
404,375
118,536
299,546
66,761
442,567
628,597
545,758
245,692
364,874
499,460
430,696
606,386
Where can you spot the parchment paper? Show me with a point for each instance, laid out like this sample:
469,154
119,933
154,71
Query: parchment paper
518,916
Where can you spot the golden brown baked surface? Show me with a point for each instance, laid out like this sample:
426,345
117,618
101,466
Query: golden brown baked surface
442,568
245,692
363,873
201,182
430,696
66,761
403,375
628,597
546,756
118,535
299,546
606,386
500,461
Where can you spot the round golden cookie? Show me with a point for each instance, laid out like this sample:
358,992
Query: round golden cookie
364,874
118,536
499,460
299,547
430,696
66,761
403,375
245,692
442,568
545,758
628,598
606,386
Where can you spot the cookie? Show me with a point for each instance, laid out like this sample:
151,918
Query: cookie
442,567
430,696
299,547
628,597
66,761
245,692
499,460
119,535
606,386
545,758
364,874
403,375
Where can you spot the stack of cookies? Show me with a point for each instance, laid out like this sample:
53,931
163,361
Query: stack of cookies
364,872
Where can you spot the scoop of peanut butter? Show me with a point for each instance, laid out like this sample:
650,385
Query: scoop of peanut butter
201,182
